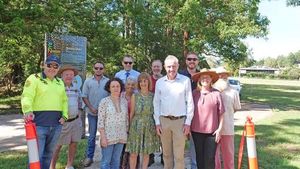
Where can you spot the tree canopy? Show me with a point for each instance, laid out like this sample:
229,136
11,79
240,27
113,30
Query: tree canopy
146,29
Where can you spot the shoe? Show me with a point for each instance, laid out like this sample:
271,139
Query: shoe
87,162
151,160
71,167
162,159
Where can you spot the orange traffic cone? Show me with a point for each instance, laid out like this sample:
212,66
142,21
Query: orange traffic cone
249,132
32,145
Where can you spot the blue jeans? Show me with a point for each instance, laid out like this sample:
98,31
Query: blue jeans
111,156
47,138
93,120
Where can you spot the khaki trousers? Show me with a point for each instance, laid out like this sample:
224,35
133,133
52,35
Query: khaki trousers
173,143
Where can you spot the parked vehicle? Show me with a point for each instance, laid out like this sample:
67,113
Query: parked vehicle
235,84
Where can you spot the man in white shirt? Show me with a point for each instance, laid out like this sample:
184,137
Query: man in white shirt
231,102
128,71
173,113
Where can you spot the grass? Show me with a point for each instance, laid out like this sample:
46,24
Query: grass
278,137
10,103
18,159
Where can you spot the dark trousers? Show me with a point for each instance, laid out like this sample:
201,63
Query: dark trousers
205,147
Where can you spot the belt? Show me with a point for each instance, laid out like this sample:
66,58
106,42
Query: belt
174,117
72,119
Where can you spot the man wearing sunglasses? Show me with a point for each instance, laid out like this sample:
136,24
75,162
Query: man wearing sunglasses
92,93
191,62
44,101
127,72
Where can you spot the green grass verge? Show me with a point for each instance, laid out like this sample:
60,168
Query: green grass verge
10,104
18,159
278,137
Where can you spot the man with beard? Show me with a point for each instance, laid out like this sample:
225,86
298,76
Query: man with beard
191,62
92,93
231,102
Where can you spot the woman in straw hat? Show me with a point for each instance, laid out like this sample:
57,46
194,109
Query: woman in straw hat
208,118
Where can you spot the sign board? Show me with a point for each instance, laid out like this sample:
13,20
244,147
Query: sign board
70,49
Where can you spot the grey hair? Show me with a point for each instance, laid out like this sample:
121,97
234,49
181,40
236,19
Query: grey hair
171,58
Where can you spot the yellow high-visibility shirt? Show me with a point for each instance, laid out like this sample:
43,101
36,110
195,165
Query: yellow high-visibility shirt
43,94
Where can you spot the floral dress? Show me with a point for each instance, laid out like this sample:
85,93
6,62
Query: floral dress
142,137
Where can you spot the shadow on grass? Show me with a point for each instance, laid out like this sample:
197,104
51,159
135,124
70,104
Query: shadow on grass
283,98
274,144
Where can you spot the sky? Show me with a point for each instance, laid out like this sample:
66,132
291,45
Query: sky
284,30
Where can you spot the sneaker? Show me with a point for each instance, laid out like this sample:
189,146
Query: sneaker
151,160
87,162
71,167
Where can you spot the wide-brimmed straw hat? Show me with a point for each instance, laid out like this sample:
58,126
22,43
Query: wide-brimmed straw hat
222,70
214,76
68,67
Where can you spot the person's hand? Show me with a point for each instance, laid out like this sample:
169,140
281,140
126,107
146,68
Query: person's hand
28,117
61,121
103,141
217,133
186,130
158,130
93,110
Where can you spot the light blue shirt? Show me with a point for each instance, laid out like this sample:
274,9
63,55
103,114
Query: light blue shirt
124,75
94,91
173,98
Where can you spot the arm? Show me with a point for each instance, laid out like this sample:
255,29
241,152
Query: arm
236,102
88,104
101,123
189,103
64,108
27,98
132,107
220,112
157,109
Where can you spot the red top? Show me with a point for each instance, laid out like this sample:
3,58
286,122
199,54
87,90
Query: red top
153,84
208,108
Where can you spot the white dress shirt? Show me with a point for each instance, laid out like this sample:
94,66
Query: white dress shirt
173,98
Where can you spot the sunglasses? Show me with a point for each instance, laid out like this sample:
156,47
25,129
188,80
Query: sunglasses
127,63
98,68
191,59
54,66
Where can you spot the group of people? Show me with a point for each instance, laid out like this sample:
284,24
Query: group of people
135,113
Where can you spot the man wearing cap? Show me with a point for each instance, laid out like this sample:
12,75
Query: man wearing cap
208,118
71,131
44,101
191,62
231,102
92,93
173,113
128,71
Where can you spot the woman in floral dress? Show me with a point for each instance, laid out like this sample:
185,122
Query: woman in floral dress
142,137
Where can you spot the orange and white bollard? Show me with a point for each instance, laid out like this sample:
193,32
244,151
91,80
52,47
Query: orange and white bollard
249,132
251,145
32,145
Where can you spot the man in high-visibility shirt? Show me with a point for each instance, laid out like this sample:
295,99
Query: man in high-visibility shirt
44,101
